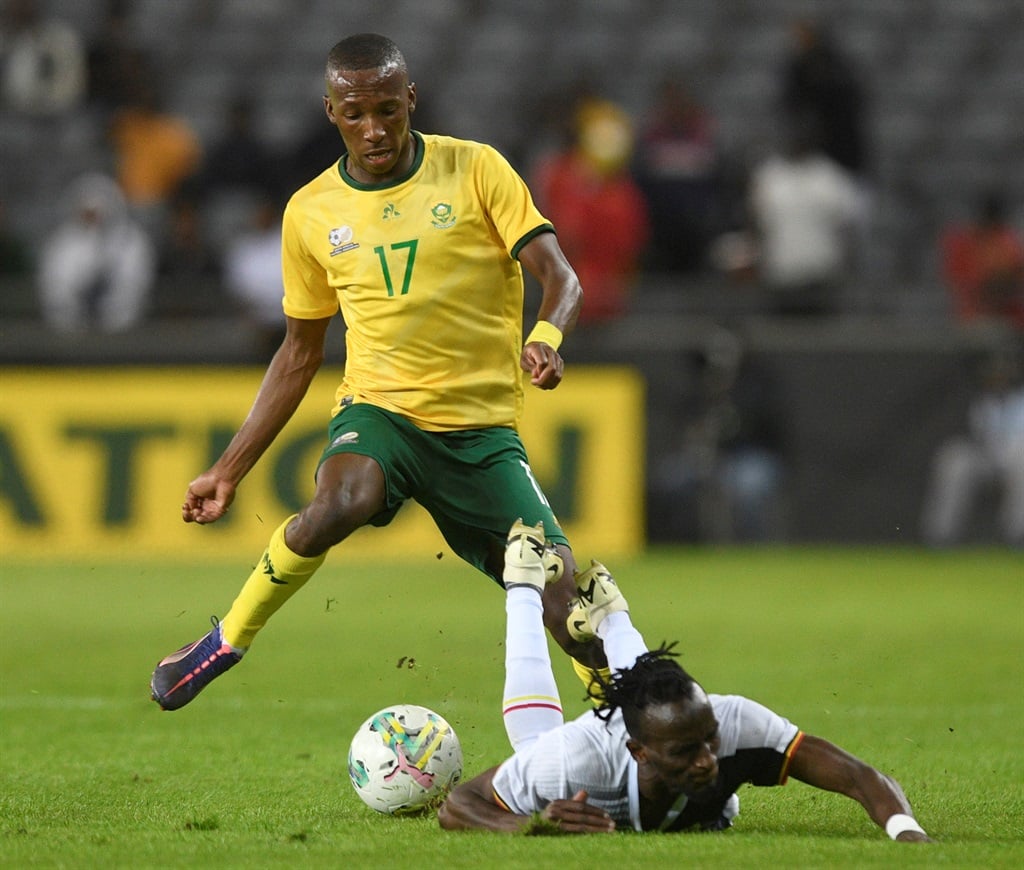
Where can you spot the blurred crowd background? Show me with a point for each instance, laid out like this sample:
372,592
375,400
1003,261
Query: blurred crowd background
801,219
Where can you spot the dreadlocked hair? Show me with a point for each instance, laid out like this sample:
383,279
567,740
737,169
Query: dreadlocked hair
655,678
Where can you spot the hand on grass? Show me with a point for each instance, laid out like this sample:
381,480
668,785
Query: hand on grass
576,816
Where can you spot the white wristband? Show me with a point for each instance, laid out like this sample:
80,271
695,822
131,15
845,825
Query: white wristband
899,823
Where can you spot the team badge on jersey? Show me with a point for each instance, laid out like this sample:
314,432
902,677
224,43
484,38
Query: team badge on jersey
443,216
340,239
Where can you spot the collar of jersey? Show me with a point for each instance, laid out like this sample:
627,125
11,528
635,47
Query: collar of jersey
417,161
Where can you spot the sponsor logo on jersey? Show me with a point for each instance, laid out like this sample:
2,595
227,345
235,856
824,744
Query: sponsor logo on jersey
346,438
340,239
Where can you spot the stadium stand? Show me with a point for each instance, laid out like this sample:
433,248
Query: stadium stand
480,64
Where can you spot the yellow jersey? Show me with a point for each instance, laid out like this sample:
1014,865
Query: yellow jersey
425,272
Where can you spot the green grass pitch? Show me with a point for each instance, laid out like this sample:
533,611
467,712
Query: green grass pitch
910,659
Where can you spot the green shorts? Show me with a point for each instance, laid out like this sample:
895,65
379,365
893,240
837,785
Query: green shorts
474,483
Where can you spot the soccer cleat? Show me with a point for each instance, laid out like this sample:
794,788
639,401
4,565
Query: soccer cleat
185,673
529,559
553,564
598,596
578,622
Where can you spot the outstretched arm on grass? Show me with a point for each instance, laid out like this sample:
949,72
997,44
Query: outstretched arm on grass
824,765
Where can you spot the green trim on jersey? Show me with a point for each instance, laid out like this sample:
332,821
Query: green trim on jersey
417,161
530,236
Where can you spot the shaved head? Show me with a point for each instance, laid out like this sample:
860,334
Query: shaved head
365,51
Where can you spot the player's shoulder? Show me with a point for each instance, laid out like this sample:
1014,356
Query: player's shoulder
329,179
459,151
737,705
441,142
745,723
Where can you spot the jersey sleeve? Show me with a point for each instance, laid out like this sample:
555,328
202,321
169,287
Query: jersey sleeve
756,743
529,780
307,294
510,205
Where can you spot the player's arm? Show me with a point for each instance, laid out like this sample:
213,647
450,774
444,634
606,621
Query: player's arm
560,304
824,765
285,383
472,806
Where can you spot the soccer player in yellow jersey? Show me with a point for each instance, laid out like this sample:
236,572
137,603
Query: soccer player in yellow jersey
419,241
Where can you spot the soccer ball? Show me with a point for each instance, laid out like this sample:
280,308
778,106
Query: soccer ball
403,759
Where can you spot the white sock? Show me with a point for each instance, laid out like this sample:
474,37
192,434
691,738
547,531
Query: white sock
622,642
531,704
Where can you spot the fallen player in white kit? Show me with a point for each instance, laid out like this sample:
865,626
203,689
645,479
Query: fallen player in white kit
659,754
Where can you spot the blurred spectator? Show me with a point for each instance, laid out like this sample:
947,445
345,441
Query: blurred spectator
983,265
97,268
803,210
114,59
821,86
597,209
155,153
42,60
236,170
990,454
677,165
726,478
819,83
252,275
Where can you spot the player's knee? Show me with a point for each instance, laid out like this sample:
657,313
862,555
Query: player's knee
325,522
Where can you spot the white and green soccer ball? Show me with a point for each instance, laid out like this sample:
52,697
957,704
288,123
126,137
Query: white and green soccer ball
404,759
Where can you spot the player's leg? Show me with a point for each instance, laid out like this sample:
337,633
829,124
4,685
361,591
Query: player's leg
531,704
485,475
350,492
278,575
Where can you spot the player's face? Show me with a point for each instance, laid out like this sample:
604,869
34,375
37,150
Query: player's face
371,109
680,744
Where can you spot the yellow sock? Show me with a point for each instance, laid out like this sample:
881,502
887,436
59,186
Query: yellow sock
278,576
587,677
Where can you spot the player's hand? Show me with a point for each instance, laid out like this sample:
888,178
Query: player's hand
576,816
543,364
207,499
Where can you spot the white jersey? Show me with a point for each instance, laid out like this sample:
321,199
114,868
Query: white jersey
590,754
